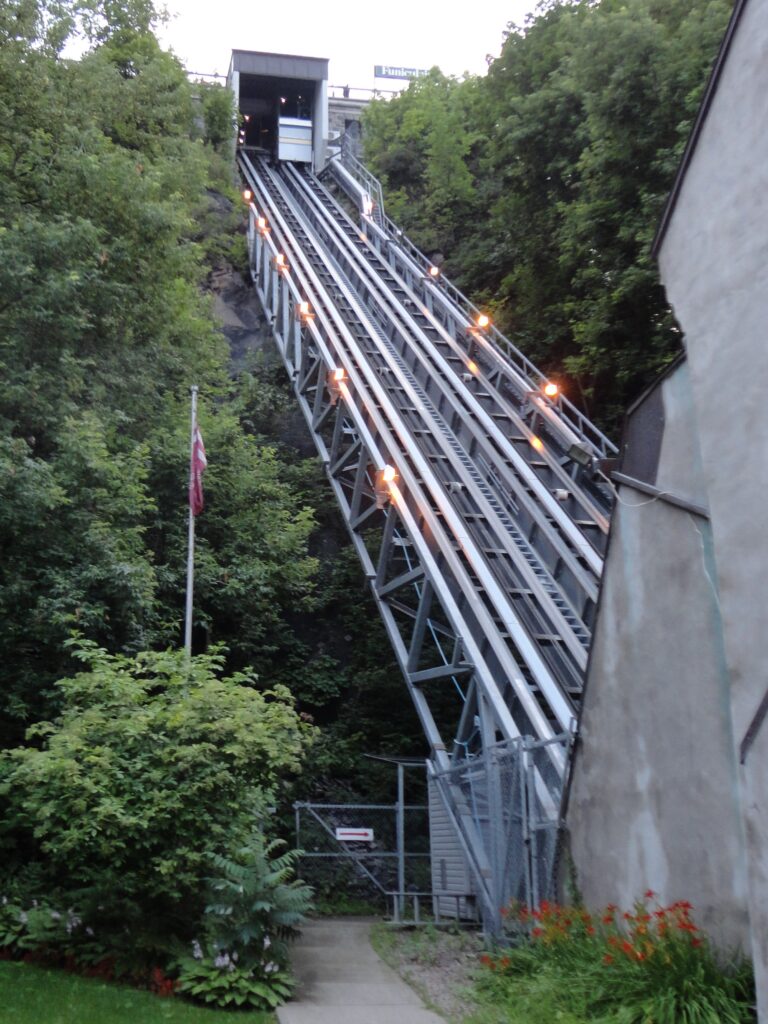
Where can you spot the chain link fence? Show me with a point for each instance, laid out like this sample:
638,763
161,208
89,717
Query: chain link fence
363,868
505,802
511,797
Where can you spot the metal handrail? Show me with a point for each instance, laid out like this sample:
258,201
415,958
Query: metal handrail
572,416
398,900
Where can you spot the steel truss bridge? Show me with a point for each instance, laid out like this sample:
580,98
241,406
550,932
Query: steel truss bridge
472,498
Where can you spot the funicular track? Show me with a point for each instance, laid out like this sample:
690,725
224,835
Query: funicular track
483,548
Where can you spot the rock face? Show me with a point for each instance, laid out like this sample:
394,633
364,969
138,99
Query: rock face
247,330
242,321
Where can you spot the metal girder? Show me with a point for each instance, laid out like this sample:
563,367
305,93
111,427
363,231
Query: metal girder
458,600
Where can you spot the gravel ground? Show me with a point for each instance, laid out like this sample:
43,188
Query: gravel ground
437,963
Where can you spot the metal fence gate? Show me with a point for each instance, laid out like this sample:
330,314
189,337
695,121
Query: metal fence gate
339,856
510,796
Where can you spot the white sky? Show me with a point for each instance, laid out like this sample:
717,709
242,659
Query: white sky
354,36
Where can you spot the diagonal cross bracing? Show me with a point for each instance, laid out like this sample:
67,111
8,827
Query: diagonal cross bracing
484,578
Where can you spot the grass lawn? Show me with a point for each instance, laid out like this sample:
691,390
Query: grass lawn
35,995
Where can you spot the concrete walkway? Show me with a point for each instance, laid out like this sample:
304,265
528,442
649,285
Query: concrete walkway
342,981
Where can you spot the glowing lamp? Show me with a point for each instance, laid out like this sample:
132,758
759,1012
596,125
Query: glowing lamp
537,443
261,224
551,390
247,195
388,474
483,321
472,366
434,272
336,378
246,117
304,311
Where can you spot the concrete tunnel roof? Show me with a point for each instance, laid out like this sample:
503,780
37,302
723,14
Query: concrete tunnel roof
279,65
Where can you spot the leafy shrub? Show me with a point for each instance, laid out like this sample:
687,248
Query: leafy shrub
257,908
257,902
150,766
219,980
648,966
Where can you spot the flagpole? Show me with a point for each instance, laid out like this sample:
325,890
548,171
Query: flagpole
191,543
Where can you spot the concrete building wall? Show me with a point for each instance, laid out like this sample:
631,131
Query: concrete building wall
654,799
714,263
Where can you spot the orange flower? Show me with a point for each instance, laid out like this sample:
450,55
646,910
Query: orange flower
537,932
607,959
696,942
649,894
590,930
608,919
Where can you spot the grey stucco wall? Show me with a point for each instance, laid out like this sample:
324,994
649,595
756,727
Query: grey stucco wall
714,263
654,800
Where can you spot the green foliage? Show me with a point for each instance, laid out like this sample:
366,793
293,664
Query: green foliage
218,115
543,182
257,907
109,207
151,765
231,985
649,966
257,904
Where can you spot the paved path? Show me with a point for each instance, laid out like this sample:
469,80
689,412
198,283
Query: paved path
342,981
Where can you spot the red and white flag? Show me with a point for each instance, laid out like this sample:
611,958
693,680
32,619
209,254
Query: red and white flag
197,465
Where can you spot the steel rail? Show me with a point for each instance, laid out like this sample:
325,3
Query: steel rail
394,290
379,282
431,504
351,172
508,617
574,632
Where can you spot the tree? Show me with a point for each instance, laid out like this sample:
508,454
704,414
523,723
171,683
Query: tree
568,148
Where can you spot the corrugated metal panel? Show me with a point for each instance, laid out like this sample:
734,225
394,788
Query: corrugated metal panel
450,872
280,65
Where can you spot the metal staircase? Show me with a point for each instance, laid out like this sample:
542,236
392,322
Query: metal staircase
471,498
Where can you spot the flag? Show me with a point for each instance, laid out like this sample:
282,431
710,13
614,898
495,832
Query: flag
197,465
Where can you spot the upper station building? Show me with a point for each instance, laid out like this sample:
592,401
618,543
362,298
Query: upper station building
283,101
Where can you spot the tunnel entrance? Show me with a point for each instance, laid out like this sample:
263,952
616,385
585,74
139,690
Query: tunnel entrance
283,104
265,102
